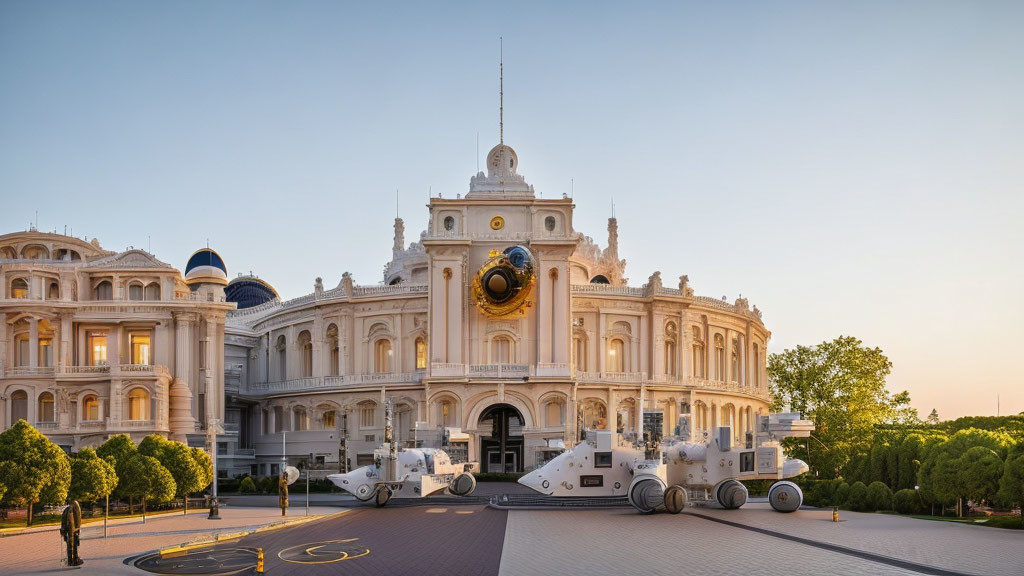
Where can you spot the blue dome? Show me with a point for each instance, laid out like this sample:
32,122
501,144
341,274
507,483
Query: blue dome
249,291
205,265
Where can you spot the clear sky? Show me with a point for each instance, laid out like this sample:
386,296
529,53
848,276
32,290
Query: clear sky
851,168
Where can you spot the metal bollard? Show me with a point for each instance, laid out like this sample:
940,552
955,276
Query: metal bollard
835,513
259,560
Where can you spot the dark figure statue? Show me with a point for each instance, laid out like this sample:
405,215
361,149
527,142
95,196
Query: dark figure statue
282,492
70,531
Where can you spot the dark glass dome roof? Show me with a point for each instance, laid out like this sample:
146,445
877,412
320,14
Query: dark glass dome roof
249,291
205,257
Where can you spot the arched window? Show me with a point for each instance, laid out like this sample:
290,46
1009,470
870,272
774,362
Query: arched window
698,354
136,291
332,345
599,279
300,420
501,350
306,345
138,404
594,414
35,252
671,350
91,408
97,348
579,353
554,413
382,356
19,406
421,353
46,413
757,366
616,356
328,417
549,223
735,360
278,419
719,357
53,292
449,223
281,347
152,291
19,288
446,413
103,291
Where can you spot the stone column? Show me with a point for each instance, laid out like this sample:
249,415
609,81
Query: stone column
65,356
182,421
211,365
4,353
33,343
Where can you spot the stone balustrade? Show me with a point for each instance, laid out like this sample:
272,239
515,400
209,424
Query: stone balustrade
499,370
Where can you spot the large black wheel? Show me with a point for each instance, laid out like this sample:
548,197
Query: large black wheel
463,484
785,496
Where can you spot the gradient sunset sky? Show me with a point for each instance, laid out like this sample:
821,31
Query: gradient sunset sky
851,168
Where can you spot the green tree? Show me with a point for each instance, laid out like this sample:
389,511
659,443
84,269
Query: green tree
933,418
963,466
247,486
879,496
840,385
909,461
1011,483
206,465
92,478
858,498
906,501
146,479
121,449
33,469
184,464
841,496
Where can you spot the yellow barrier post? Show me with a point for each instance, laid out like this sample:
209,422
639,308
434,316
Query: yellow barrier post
835,513
259,560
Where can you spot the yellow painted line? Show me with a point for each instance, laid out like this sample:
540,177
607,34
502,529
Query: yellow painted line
436,510
464,511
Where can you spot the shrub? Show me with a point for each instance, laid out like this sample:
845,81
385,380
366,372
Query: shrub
247,486
906,501
841,496
820,494
268,485
858,499
879,496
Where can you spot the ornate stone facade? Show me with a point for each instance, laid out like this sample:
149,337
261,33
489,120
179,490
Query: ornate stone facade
586,350
94,342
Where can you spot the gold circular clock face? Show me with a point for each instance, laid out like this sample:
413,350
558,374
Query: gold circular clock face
497,223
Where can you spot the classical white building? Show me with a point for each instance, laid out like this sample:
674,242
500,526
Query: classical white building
94,342
513,346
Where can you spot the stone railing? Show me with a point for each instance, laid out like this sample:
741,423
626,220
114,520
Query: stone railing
136,424
144,369
625,377
447,369
28,371
102,369
607,289
46,425
239,453
552,369
499,370
397,289
333,382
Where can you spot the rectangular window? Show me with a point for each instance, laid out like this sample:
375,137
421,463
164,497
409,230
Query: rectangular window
421,354
602,459
45,352
97,343
329,420
140,343
22,348
746,461
364,459
595,481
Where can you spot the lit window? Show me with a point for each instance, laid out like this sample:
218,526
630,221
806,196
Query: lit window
140,348
329,420
382,357
45,352
421,354
46,407
616,353
447,413
138,404
19,288
97,348
90,408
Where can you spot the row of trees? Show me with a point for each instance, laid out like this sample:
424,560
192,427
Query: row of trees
866,436
34,470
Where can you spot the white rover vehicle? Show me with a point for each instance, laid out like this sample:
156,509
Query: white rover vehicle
653,474
405,473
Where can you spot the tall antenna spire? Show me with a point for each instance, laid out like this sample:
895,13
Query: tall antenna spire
501,90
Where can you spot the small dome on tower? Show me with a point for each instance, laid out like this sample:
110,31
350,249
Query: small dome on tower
502,161
205,265
249,291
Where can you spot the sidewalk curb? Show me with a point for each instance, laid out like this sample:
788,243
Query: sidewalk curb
97,523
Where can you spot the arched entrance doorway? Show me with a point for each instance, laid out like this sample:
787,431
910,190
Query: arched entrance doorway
501,439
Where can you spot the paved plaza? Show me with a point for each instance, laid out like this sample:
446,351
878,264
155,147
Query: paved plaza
440,537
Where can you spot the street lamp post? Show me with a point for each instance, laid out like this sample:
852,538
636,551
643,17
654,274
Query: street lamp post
211,434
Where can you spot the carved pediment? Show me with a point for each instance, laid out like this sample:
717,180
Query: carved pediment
130,259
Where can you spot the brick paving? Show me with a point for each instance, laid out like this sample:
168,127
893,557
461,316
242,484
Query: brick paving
42,552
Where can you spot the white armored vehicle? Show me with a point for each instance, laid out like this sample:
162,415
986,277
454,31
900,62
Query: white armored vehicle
652,474
405,473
